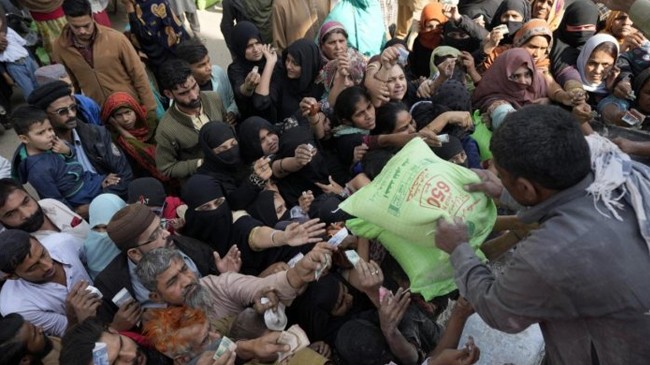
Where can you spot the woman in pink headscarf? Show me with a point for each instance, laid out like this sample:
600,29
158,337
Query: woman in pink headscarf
511,82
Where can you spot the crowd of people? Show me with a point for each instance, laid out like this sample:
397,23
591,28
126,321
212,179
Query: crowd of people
181,204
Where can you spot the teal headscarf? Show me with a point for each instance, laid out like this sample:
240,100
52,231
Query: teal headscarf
363,20
100,250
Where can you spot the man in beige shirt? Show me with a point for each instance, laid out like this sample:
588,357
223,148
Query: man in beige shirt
295,19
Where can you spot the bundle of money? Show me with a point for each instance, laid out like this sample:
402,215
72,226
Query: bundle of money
338,237
323,266
121,297
353,257
275,318
296,338
224,345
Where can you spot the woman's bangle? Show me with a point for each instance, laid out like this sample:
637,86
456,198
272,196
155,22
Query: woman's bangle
346,192
275,231
318,119
282,170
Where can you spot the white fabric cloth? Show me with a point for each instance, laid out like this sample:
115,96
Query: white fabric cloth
64,219
15,49
618,177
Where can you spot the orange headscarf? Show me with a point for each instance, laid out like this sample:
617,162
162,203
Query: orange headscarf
530,29
433,38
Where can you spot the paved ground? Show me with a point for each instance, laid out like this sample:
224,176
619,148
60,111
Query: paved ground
210,20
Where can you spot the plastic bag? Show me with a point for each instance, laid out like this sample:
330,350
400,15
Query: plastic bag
400,208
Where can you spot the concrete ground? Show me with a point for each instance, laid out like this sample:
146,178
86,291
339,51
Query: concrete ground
210,20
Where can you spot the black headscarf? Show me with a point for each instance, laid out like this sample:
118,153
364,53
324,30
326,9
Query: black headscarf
212,227
470,44
212,135
312,310
454,95
520,6
449,149
425,112
567,45
579,12
474,8
263,208
249,137
306,54
242,33
292,185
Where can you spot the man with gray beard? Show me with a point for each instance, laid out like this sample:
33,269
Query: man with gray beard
136,230
169,280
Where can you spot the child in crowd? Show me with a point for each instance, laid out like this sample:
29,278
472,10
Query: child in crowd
17,61
47,163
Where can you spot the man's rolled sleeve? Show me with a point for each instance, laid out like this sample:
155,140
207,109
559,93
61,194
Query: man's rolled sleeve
499,303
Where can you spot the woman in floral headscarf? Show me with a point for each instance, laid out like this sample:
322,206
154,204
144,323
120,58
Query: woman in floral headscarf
133,130
550,11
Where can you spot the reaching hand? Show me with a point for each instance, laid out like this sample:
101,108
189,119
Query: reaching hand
430,138
463,308
359,152
304,154
389,57
229,263
227,358
425,90
493,40
262,168
231,118
297,234
252,80
623,89
266,348
446,68
490,184
127,316
81,303
461,119
582,112
269,293
322,348
634,40
392,309
450,235
467,60
333,187
370,277
270,54
307,104
305,200
451,12
319,258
